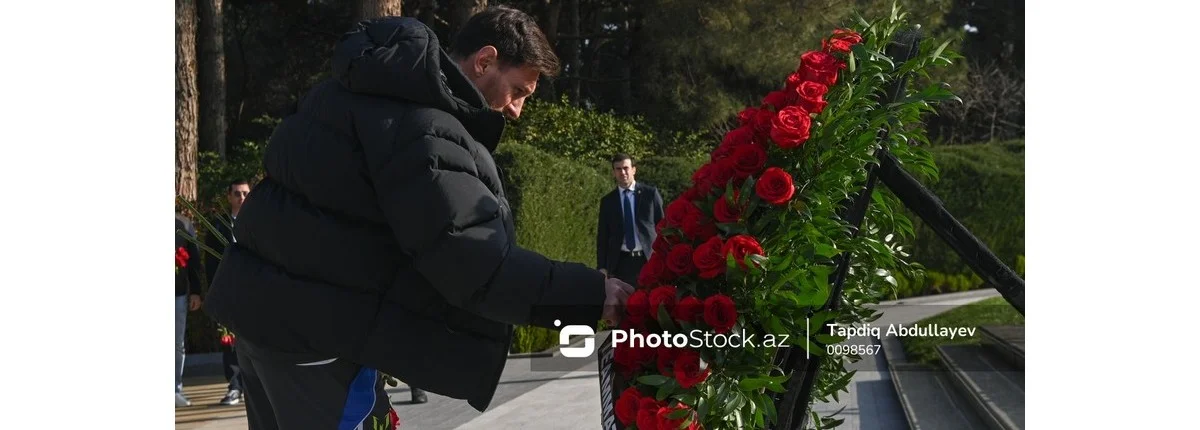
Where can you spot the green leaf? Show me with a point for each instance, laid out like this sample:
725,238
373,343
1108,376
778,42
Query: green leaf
938,53
825,250
687,398
652,380
665,389
751,384
678,413
702,408
665,320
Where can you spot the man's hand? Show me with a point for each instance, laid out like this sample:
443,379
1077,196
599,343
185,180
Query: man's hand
193,302
616,293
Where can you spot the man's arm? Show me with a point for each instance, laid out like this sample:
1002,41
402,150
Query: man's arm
194,266
449,222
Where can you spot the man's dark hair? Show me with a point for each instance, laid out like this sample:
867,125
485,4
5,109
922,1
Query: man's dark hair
515,35
619,157
235,183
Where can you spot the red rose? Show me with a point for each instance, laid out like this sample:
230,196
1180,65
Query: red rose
790,127
775,186
818,66
748,160
666,359
676,211
628,324
653,272
691,194
746,116
181,257
623,356
661,244
637,306
762,123
666,423
662,297
395,419
647,416
689,309
687,369
722,172
811,96
679,260
698,226
627,405
720,313
226,340
794,80
738,136
642,355
741,246
726,212
708,259
841,41
722,152
702,179
778,99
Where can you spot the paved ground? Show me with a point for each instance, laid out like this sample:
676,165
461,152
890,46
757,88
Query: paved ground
530,397
871,402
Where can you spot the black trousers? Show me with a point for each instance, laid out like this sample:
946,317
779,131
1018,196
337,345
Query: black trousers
629,266
233,372
297,391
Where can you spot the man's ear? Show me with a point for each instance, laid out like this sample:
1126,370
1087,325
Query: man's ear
484,59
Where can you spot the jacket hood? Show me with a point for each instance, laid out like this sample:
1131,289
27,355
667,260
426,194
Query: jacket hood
401,58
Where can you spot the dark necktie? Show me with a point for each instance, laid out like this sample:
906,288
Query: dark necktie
629,240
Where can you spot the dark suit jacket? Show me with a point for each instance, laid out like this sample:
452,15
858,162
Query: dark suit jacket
610,234
211,241
187,280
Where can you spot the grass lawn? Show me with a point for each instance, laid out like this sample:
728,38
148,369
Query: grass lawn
993,311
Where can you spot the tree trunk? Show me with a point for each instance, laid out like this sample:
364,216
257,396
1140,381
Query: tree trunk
573,55
551,9
548,21
212,77
463,11
371,9
186,104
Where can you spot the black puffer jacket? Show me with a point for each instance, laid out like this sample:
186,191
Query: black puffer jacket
381,234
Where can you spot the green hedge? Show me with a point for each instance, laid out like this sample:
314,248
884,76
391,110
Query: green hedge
983,186
671,175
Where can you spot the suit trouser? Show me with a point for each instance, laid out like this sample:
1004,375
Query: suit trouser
181,310
233,371
296,391
629,266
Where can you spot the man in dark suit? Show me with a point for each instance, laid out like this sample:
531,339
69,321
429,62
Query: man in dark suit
235,195
628,215
187,295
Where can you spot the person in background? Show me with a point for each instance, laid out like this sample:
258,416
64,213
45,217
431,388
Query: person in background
187,295
236,195
626,229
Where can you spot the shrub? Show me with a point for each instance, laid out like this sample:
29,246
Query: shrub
578,133
672,175
983,186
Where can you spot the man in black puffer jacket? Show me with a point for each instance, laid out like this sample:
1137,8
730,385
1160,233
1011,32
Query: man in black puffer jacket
380,239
